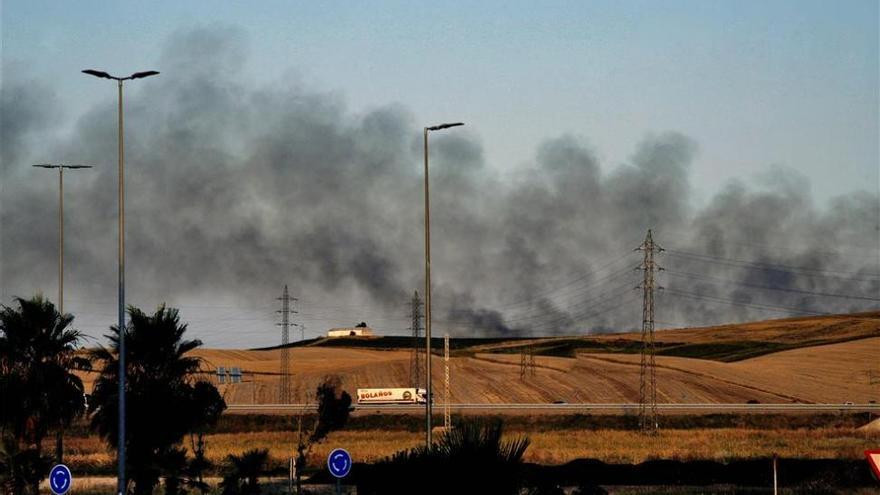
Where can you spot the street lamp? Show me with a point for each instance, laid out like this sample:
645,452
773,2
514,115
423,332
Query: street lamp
59,449
121,446
428,405
61,168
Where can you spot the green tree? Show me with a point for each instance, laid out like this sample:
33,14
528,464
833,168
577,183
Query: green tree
164,399
38,387
334,406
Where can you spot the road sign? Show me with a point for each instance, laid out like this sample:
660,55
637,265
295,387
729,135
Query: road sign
339,463
60,479
874,461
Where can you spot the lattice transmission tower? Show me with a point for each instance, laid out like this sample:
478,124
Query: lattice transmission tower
415,361
284,368
648,370
526,362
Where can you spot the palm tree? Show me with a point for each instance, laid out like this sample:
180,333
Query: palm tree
483,462
164,400
243,472
38,355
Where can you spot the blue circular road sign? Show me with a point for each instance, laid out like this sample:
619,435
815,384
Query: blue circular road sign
339,463
60,479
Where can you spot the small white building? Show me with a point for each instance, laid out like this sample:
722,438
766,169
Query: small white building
350,332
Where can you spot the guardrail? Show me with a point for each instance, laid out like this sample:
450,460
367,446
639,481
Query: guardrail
621,407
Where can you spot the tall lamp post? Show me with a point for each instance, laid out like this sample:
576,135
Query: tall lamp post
121,486
428,405
61,168
59,445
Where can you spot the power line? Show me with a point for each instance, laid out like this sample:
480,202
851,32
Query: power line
744,304
543,294
774,266
584,315
766,287
627,285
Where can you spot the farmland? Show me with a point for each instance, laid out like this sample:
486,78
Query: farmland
805,360
554,441
832,359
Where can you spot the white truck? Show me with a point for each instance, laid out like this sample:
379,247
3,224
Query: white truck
391,395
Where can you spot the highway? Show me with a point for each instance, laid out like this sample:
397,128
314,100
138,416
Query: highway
574,408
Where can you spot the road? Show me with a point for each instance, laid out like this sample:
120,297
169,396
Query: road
581,407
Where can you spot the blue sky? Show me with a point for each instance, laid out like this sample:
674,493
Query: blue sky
755,84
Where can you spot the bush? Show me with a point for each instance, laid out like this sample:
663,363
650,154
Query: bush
242,473
471,458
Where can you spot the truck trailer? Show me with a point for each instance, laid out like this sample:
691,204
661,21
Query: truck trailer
391,395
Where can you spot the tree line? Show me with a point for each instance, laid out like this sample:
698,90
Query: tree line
167,403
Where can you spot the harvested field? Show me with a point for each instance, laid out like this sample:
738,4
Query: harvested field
804,367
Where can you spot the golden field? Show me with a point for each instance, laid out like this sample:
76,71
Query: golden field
839,363
547,447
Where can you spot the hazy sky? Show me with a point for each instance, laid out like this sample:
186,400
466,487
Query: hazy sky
658,105
753,83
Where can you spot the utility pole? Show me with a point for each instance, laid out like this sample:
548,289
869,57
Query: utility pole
415,361
447,419
284,381
526,362
647,369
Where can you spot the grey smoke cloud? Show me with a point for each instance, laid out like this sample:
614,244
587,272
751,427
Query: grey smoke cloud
236,189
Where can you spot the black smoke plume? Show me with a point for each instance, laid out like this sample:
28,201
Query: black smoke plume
236,190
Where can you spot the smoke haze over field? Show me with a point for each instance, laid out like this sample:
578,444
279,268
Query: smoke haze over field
234,191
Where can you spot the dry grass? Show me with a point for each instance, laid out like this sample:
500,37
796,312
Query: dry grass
620,446
548,447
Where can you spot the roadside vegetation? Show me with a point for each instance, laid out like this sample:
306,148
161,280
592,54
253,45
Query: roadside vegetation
475,457
39,393
164,404
334,406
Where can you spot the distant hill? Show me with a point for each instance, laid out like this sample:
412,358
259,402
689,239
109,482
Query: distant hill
828,359
725,343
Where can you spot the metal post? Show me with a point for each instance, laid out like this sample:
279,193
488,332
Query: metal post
428,378
61,240
121,485
59,437
290,475
775,486
121,308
